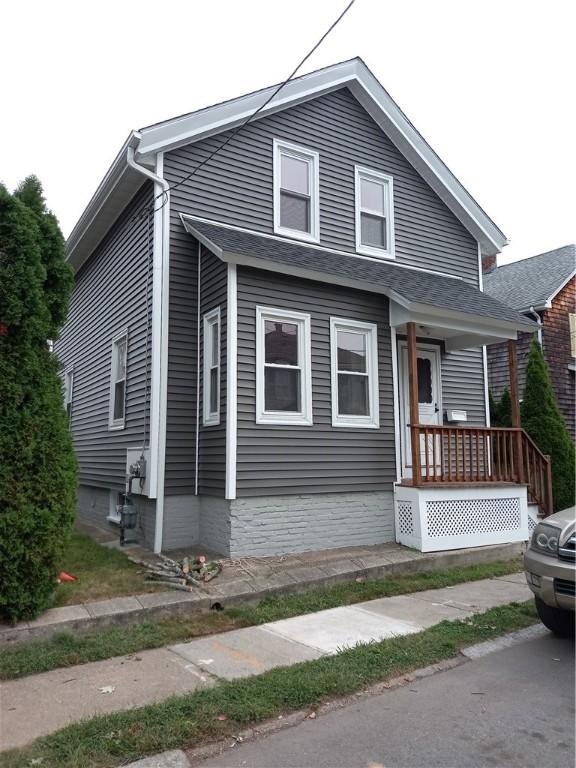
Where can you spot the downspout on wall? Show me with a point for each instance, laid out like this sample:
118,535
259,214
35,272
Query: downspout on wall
158,385
538,319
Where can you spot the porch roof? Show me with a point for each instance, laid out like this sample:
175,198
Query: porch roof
426,294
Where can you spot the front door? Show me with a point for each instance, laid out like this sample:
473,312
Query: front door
429,400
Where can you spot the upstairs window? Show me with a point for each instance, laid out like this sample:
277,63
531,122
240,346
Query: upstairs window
68,392
118,381
283,369
572,320
296,210
211,395
374,213
354,367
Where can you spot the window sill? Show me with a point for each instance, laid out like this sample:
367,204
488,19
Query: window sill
366,250
213,422
115,427
295,234
300,421
355,424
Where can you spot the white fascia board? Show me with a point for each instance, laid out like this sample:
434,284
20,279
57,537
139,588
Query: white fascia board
377,102
557,291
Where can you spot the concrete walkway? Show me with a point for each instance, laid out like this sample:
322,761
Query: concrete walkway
249,580
40,704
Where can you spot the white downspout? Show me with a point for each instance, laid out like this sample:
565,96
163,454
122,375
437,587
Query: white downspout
538,319
158,398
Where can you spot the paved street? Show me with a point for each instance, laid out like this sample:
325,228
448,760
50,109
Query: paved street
513,708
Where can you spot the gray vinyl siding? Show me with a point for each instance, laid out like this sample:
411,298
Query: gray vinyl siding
463,383
180,472
110,296
212,455
236,186
179,476
276,460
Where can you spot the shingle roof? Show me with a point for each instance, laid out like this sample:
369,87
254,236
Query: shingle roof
532,282
411,285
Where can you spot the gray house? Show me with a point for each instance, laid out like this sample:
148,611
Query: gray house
292,333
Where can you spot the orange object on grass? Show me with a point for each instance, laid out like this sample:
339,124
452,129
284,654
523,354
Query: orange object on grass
63,576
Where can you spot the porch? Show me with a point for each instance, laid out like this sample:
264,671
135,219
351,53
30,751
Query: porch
462,486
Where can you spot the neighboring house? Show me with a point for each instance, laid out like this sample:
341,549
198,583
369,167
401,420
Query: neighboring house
542,287
265,331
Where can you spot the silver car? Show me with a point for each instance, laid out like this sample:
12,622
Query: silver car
550,566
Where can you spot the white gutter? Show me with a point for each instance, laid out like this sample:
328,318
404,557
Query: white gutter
159,367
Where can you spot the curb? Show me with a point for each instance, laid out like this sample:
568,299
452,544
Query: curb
122,611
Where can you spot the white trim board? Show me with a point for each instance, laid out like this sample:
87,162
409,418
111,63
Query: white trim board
231,381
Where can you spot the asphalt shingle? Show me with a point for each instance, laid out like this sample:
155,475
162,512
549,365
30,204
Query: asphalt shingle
531,282
413,285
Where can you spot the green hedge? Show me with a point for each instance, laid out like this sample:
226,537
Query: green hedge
37,464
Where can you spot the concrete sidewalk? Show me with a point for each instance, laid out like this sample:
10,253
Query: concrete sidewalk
40,704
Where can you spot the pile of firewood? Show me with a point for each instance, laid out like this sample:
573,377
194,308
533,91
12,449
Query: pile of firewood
183,574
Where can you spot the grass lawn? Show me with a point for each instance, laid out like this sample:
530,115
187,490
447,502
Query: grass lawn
101,573
188,721
67,650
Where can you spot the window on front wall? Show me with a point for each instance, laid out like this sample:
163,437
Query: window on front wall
68,392
118,382
354,362
572,320
211,398
283,377
296,191
374,213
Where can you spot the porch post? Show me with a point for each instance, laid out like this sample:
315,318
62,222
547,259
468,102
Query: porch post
413,397
515,406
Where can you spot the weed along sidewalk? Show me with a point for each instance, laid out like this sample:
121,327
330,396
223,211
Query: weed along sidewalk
40,704
110,594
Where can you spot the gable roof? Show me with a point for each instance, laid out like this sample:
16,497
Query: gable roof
121,181
414,289
532,282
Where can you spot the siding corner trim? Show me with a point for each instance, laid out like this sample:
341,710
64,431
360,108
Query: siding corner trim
231,381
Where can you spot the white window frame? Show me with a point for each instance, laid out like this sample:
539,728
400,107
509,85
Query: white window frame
313,159
572,327
211,320
372,420
114,424
302,320
68,391
370,250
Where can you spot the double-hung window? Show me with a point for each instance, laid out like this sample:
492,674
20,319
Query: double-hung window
374,213
296,207
354,364
283,369
211,398
117,413
68,392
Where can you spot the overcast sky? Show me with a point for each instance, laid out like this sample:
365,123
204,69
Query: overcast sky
489,83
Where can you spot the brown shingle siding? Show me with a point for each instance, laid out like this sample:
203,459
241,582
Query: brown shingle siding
556,344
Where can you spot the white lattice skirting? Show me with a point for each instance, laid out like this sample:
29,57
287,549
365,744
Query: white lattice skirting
434,519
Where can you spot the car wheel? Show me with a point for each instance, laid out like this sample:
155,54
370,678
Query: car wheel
555,619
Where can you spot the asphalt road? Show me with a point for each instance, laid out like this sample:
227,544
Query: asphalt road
513,709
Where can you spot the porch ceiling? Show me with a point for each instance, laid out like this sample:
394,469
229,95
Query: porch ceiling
452,307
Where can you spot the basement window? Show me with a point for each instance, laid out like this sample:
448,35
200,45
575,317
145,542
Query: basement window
117,413
283,367
296,208
211,390
374,213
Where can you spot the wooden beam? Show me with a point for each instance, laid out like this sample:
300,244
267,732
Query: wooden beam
515,407
413,401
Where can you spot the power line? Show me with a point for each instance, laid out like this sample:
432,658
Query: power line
164,193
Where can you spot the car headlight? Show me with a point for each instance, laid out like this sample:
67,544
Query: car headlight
545,539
